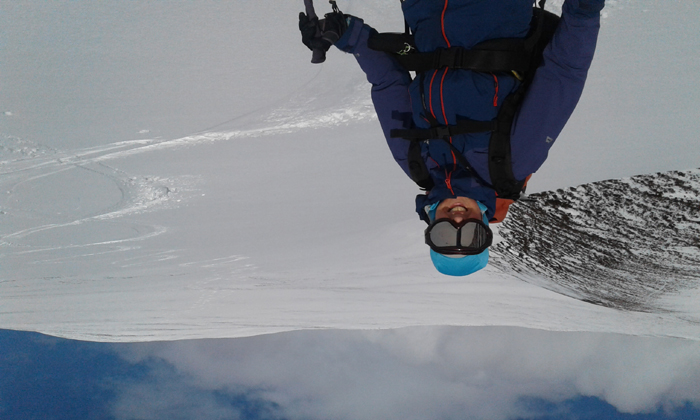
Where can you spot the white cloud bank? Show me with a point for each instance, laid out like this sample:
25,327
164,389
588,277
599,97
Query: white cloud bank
418,373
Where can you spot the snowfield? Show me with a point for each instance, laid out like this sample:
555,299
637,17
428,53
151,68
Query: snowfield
258,196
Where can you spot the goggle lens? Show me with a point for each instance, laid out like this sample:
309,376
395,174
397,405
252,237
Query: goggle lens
471,238
444,234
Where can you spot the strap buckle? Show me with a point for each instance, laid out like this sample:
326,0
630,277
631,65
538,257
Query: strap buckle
449,57
407,48
442,132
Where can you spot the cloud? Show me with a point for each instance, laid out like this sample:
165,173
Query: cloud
166,395
419,373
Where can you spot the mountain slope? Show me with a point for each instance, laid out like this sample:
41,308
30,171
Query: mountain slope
621,243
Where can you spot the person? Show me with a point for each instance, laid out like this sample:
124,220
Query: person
460,202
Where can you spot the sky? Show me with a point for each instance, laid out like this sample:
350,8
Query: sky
179,170
415,373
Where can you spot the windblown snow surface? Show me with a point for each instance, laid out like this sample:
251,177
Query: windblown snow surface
92,251
168,189
630,244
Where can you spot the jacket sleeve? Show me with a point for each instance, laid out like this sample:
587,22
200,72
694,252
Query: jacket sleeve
389,86
556,87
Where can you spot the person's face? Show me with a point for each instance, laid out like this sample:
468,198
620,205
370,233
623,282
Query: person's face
458,209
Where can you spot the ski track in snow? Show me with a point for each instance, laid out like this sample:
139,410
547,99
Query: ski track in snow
31,164
22,163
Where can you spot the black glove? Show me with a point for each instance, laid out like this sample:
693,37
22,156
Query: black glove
309,28
333,27
321,34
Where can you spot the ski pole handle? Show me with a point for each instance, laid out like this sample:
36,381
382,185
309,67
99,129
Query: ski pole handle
318,55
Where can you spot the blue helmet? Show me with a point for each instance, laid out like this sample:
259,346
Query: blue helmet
459,265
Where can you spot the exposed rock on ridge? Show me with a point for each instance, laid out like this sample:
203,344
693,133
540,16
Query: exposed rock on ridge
620,243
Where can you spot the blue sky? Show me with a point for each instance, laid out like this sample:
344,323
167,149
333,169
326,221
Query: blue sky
50,378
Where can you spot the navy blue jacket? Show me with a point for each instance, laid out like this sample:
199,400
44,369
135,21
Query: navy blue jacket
457,94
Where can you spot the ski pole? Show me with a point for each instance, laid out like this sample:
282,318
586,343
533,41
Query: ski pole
318,55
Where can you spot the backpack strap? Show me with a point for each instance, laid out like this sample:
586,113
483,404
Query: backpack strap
417,168
500,159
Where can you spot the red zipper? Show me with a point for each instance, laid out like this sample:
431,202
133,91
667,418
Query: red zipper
442,20
495,96
448,180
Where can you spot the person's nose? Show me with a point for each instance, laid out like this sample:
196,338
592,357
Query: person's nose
458,218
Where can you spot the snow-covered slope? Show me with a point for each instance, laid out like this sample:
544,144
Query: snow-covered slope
207,181
631,244
100,248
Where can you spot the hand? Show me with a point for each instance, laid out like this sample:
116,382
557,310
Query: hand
310,30
333,27
321,34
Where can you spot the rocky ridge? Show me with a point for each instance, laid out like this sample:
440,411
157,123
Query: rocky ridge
623,243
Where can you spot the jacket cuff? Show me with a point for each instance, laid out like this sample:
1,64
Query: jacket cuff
585,8
348,42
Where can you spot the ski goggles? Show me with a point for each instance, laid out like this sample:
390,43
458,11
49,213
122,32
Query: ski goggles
471,237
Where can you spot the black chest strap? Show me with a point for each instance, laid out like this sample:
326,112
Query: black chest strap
445,131
506,56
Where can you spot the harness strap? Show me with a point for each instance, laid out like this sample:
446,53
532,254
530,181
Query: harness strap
445,131
472,59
